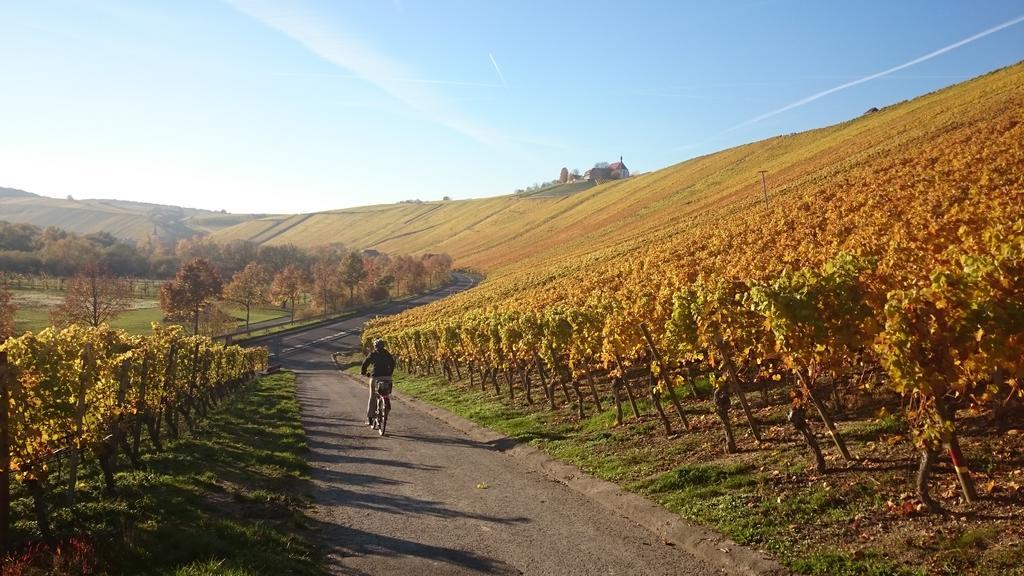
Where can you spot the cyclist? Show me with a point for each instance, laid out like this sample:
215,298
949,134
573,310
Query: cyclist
380,381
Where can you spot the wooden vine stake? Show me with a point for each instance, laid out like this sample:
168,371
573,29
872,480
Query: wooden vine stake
734,385
952,445
663,374
549,392
525,377
617,396
627,387
830,425
656,400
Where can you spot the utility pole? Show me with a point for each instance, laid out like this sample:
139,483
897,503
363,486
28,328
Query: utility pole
764,188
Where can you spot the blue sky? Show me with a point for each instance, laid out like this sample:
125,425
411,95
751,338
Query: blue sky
302,105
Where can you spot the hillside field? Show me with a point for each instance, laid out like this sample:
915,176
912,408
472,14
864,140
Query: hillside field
123,219
814,177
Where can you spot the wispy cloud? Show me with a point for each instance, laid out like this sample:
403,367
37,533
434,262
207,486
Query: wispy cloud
497,69
309,30
881,74
401,80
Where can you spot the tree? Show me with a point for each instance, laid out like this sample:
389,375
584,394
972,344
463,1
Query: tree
93,297
198,247
235,255
195,286
437,267
66,254
563,176
381,288
19,237
325,284
287,286
352,273
248,288
278,257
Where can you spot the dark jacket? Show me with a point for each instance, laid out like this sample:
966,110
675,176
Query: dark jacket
382,361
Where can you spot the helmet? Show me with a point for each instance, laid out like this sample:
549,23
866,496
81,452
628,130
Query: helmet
378,344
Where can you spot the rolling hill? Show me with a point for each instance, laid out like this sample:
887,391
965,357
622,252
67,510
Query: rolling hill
853,158
124,219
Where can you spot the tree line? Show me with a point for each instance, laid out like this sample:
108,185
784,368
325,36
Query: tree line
201,273
335,280
26,249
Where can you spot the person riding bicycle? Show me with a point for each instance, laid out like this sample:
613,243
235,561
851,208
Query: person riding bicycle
380,380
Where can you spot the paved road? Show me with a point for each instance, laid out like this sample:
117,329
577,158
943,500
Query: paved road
311,349
428,499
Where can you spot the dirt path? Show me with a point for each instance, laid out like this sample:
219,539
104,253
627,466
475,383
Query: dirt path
428,499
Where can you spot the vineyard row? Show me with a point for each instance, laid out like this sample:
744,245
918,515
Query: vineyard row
95,391
946,342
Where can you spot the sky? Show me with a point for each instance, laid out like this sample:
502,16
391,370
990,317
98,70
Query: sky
264,106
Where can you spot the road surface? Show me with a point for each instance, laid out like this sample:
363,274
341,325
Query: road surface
428,499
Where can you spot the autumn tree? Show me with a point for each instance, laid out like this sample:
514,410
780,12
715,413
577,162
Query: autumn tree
195,286
67,254
325,284
436,267
352,273
404,270
92,297
248,288
287,286
563,176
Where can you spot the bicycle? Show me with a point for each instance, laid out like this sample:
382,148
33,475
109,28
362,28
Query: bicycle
382,388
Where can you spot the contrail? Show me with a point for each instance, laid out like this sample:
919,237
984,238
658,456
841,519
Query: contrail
497,69
852,83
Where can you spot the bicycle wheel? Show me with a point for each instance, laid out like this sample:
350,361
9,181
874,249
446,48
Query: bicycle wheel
382,414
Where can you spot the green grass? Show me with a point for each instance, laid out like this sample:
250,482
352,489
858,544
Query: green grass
885,424
30,319
255,315
229,499
33,313
843,564
138,321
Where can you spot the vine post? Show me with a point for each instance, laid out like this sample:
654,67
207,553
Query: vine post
734,384
625,384
830,425
663,373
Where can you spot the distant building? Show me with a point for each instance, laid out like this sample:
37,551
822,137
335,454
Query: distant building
606,171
